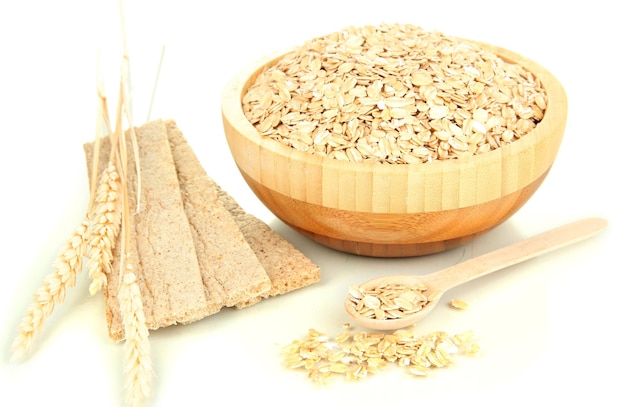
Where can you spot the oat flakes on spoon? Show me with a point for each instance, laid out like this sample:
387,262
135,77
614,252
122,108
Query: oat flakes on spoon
397,301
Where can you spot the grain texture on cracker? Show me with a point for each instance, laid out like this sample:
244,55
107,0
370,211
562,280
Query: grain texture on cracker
230,269
198,250
287,267
167,269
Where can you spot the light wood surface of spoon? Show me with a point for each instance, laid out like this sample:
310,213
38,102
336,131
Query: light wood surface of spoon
450,277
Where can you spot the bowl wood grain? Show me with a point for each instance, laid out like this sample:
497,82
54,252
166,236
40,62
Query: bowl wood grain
394,210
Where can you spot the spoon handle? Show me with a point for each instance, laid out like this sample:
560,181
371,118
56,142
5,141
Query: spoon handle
518,252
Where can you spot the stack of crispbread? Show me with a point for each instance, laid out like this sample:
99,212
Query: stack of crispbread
195,250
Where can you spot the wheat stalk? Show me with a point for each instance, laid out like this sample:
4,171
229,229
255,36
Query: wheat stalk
67,264
104,227
96,236
137,362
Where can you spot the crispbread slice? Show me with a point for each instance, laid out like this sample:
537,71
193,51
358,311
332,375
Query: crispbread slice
215,255
162,247
224,255
287,267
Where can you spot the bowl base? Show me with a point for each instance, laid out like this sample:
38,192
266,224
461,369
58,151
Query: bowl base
392,235
388,250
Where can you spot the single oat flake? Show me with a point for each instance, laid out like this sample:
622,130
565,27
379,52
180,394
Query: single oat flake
458,304
394,94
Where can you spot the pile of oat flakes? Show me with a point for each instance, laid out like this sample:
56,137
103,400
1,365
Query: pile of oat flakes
355,356
394,94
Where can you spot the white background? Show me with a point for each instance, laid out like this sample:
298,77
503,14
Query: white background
549,328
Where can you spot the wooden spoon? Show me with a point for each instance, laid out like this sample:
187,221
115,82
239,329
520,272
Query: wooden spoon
435,284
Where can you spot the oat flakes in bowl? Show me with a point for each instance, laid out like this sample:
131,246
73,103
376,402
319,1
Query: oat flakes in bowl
393,141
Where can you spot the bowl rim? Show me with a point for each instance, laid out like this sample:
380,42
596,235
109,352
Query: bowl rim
547,135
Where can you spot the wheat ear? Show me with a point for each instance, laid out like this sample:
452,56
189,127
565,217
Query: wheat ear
67,264
104,227
137,362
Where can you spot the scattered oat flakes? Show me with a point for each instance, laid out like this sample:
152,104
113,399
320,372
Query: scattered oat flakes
355,356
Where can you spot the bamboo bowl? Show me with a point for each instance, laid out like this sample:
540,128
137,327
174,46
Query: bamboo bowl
394,210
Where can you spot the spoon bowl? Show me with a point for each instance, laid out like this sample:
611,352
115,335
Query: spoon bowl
376,303
432,292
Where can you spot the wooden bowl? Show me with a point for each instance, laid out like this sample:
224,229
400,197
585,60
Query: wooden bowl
394,210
